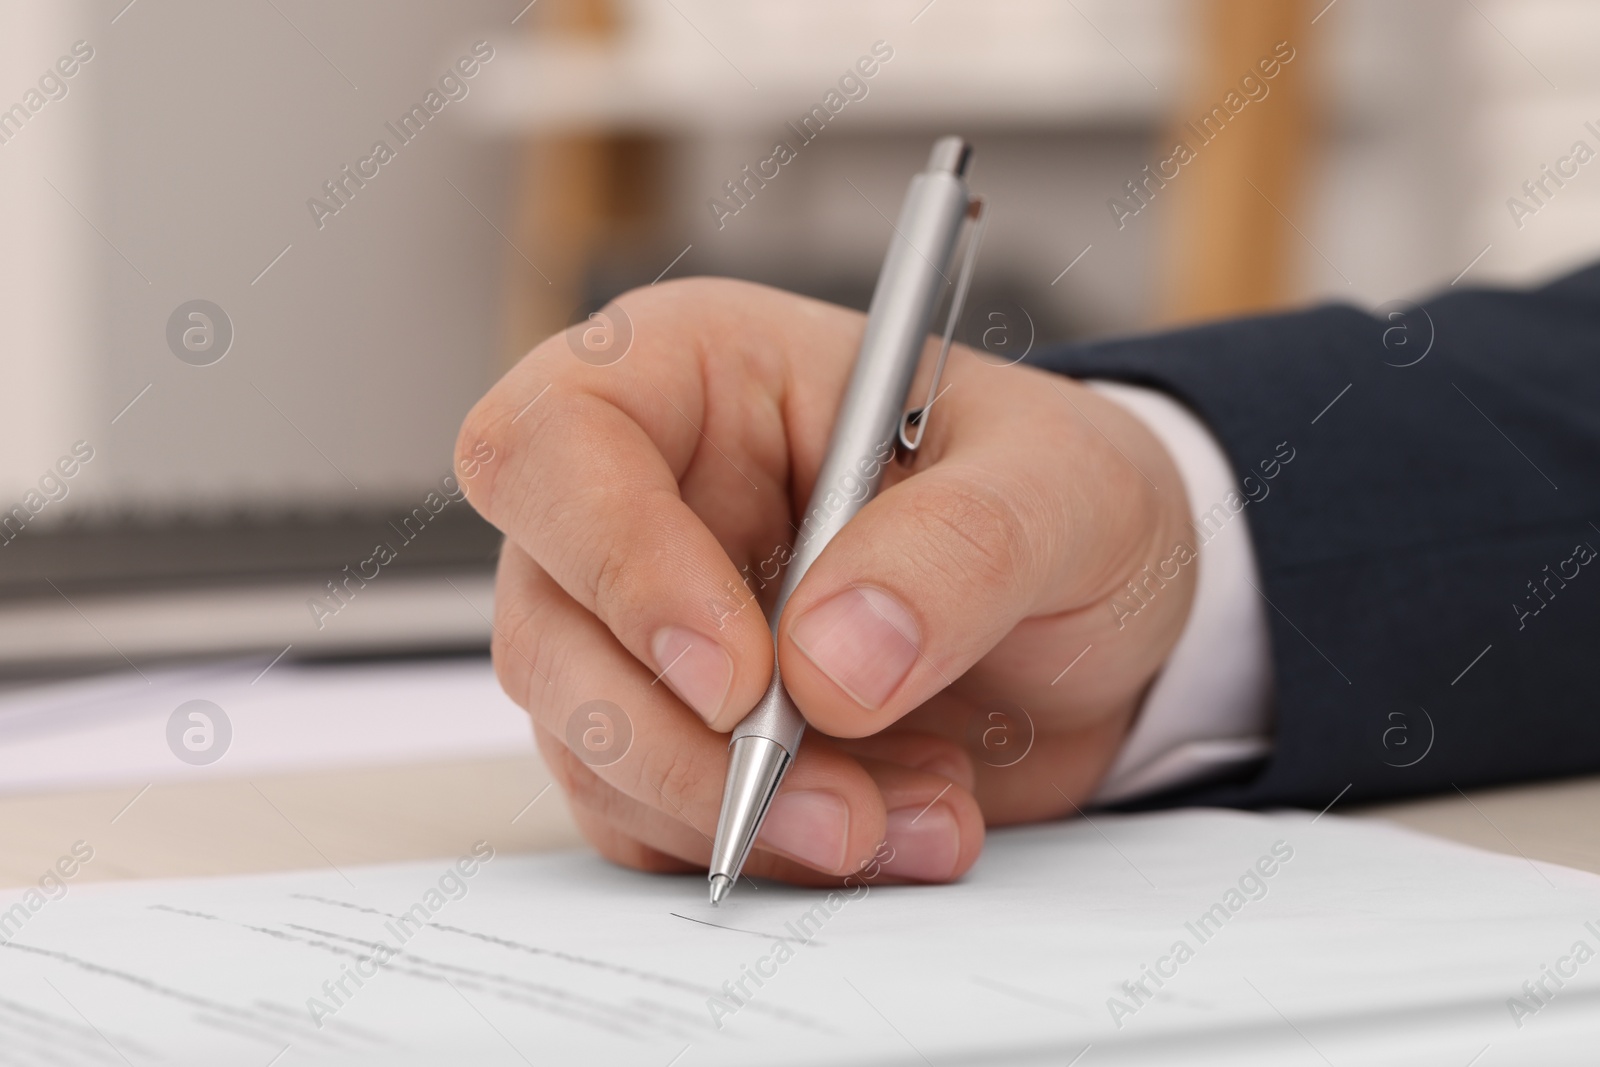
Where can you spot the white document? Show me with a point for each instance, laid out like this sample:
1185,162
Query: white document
283,718
1326,942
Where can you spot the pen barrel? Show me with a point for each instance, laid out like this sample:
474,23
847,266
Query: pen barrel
868,423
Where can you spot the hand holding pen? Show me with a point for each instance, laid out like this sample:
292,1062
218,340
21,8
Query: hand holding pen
638,496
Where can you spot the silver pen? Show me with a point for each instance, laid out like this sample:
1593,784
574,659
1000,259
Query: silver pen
871,420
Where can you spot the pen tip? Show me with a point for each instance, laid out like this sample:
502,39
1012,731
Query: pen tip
720,884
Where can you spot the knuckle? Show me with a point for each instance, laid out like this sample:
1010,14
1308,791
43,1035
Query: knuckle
585,788
614,802
614,552
479,443
674,775
557,760
691,287
505,422
975,534
611,579
516,648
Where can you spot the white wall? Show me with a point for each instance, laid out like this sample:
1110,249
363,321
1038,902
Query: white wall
48,331
191,143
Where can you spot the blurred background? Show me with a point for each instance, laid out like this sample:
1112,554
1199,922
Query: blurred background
262,330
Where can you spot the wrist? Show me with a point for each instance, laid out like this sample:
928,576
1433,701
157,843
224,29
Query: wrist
1208,709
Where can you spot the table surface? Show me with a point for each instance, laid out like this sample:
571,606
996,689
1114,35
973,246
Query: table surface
397,813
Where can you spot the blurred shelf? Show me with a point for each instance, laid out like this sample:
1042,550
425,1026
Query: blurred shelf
447,611
85,595
710,66
1540,48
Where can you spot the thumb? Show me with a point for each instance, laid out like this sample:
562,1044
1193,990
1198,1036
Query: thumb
1027,508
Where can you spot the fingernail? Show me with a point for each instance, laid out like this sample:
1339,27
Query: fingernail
697,668
925,841
863,638
810,826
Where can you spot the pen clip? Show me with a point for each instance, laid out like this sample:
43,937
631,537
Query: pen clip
917,417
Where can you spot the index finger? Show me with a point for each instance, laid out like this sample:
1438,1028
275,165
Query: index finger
607,476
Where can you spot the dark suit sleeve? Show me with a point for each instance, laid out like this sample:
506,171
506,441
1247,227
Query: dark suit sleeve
1428,554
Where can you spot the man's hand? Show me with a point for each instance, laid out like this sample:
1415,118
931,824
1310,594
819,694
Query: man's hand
650,505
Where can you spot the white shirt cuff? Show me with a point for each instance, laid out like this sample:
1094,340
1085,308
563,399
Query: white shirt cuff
1209,710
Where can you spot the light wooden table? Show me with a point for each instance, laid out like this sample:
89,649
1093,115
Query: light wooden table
386,814
1554,821
287,822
